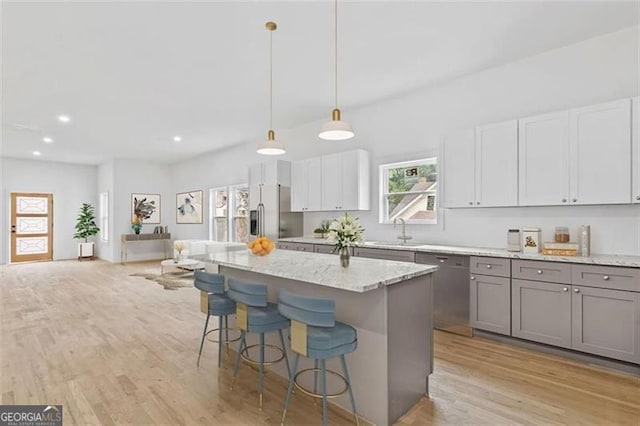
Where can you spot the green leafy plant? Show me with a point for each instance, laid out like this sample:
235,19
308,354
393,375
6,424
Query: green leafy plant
318,231
86,223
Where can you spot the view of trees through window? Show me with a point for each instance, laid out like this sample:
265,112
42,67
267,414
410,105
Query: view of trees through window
410,190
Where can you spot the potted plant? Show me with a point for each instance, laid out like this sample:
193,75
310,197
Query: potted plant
86,227
318,233
136,223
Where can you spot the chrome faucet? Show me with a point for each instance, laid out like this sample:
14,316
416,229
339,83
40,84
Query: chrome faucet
404,237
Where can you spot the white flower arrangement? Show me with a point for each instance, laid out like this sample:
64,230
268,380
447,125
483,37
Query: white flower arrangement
345,231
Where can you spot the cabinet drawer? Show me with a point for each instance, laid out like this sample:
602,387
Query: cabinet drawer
541,271
606,277
303,247
323,248
399,255
493,266
286,246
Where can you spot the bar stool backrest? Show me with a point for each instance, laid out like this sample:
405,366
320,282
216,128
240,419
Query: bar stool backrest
307,310
250,294
208,282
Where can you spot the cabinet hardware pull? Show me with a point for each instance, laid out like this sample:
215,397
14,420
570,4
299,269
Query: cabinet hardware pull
565,289
473,278
471,202
488,266
575,200
576,290
540,271
564,200
606,278
478,202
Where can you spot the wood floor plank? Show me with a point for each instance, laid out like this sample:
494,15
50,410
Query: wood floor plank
116,349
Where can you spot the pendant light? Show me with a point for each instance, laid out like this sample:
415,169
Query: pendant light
271,146
336,129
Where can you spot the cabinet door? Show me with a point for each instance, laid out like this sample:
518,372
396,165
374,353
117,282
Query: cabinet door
459,169
490,299
332,181
497,164
606,322
541,312
635,132
299,186
600,149
543,146
350,181
256,174
324,248
314,184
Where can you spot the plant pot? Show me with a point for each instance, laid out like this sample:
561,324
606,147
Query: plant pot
318,235
85,250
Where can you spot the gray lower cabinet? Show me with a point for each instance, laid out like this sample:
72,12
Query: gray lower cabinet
385,254
490,300
541,312
606,322
323,248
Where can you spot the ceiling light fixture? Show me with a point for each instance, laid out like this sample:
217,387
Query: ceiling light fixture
336,129
64,118
177,138
47,139
36,153
271,146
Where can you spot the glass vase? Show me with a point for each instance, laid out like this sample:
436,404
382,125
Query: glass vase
344,257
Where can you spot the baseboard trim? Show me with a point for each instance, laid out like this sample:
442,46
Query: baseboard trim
620,366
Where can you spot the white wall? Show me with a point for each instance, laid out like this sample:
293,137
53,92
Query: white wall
592,71
70,184
134,176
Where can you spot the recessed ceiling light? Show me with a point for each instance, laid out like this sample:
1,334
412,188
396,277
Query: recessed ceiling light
177,138
36,153
64,118
47,139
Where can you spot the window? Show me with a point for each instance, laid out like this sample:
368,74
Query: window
104,217
229,217
408,191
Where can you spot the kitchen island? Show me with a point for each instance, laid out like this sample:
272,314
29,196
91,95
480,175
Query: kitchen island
388,302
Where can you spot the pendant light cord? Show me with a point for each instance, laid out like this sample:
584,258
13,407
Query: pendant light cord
335,50
270,80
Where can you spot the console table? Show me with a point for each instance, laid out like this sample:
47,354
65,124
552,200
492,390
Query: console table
125,239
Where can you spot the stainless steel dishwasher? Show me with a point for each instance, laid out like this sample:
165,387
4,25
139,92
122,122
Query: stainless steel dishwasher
450,292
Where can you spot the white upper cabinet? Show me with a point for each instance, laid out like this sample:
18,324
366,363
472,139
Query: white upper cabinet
459,169
306,185
635,132
600,152
544,159
346,181
496,159
270,172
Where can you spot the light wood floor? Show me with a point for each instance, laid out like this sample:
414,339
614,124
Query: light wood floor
115,349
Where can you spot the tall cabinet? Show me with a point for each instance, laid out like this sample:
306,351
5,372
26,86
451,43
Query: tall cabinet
459,169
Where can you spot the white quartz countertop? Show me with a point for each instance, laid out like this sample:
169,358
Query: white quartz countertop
323,269
594,259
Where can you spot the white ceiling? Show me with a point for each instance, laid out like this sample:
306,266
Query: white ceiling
133,75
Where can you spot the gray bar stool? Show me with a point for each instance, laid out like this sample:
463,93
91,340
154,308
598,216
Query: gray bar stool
317,335
255,315
217,304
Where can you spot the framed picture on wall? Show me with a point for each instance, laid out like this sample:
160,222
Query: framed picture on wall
146,206
189,207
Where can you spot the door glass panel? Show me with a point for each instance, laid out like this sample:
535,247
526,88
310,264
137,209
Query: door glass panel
32,205
31,225
240,208
32,245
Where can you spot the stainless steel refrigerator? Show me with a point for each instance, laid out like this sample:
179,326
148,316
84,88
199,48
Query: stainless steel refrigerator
270,212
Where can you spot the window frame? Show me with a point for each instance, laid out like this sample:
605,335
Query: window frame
383,190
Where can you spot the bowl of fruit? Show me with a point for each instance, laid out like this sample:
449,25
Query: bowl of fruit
261,246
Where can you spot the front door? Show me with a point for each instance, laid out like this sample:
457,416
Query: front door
31,227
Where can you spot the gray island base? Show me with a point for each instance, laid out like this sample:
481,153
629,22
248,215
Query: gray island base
390,305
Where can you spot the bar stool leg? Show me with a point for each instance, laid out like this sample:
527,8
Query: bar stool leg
323,366
235,369
315,380
219,341
284,350
346,375
261,367
290,388
226,332
204,333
